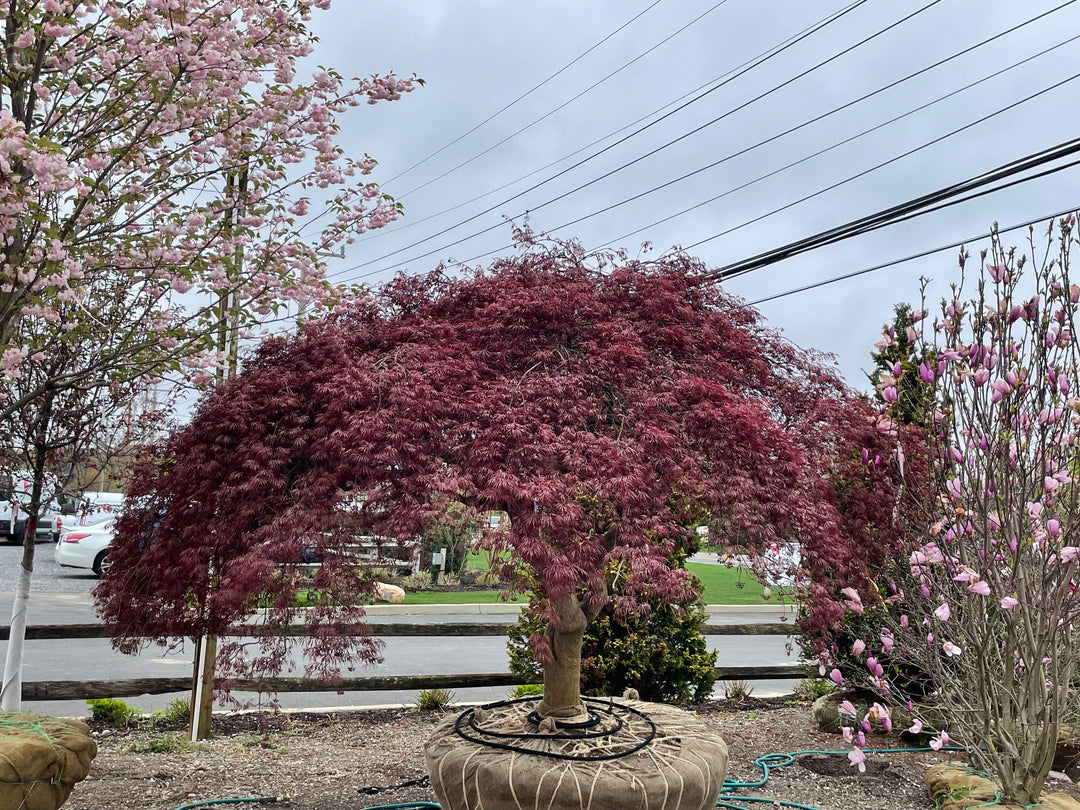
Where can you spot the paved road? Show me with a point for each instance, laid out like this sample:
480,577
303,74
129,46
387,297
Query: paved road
63,596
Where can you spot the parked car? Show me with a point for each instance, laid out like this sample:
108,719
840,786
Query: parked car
86,547
15,500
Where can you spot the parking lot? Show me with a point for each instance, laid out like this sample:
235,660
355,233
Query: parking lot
48,576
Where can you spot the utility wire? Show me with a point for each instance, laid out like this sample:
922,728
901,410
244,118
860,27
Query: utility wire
883,164
825,22
412,222
893,220
565,104
920,255
528,92
836,145
1068,145
832,112
1004,171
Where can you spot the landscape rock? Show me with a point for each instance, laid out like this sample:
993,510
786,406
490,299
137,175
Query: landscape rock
389,593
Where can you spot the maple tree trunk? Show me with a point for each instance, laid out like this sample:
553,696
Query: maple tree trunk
562,677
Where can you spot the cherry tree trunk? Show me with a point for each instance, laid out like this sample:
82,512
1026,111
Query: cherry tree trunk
562,676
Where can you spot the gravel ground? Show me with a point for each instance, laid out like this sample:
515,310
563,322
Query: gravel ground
357,760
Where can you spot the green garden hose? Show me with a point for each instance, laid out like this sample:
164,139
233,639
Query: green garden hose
768,761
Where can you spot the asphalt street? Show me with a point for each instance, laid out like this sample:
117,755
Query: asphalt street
62,596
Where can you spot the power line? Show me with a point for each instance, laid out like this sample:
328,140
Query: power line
413,222
881,165
836,145
822,116
920,255
528,92
999,173
566,103
902,211
819,26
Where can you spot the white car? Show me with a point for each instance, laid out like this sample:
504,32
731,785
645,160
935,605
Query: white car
86,547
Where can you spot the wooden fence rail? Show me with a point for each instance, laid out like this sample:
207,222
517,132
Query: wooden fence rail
46,632
132,687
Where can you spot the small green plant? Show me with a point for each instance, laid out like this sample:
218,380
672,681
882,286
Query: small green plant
420,581
112,711
169,744
525,690
953,793
810,689
178,711
737,691
429,700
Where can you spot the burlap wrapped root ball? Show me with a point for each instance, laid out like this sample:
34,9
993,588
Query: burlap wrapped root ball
41,760
681,767
953,786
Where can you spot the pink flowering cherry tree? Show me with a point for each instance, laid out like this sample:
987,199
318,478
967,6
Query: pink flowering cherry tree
986,604
167,182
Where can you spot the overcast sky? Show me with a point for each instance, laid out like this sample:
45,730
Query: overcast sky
476,56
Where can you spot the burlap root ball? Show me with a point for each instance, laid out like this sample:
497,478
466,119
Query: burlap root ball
953,787
41,760
681,768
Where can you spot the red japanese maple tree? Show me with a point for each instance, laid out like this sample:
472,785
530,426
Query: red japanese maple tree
607,406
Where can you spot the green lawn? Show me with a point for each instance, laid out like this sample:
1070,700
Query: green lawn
720,586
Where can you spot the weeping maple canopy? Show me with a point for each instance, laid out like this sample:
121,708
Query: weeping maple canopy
607,409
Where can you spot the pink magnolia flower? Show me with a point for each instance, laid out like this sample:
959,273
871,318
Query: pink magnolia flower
1067,554
940,741
916,727
854,601
942,612
889,394
858,647
982,588
875,668
1053,526
1008,602
952,486
848,733
836,677
887,640
847,708
951,649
